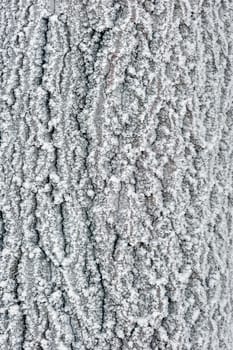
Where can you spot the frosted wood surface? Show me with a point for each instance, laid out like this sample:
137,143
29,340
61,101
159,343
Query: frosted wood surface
116,168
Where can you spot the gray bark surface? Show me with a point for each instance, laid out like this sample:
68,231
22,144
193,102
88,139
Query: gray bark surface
116,158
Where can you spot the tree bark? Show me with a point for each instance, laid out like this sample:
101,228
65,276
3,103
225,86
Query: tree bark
116,175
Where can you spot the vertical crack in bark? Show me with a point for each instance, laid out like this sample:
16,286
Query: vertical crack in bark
45,21
68,44
24,325
103,298
98,268
61,211
2,230
117,237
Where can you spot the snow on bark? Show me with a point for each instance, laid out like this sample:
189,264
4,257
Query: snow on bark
116,155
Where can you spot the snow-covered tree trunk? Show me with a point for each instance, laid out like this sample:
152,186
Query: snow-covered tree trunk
116,175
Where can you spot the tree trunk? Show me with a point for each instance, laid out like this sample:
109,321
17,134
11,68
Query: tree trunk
116,175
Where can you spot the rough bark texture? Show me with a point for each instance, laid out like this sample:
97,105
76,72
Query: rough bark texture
116,175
